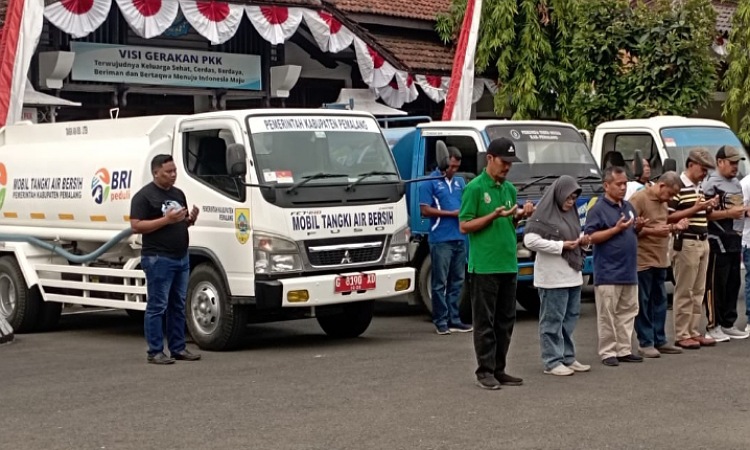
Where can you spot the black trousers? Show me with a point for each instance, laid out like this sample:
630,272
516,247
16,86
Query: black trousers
493,304
722,288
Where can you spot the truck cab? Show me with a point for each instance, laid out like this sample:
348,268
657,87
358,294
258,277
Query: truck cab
548,149
659,140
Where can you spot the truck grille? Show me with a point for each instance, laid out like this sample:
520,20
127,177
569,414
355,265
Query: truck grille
334,252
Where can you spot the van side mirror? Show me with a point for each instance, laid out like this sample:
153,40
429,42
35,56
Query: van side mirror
236,160
586,137
670,165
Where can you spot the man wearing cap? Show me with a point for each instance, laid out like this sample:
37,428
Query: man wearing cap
689,253
489,214
725,243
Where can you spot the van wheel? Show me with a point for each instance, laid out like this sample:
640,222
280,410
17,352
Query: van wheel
528,298
349,323
424,283
212,321
19,305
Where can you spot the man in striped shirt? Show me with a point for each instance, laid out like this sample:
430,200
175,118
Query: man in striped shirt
690,250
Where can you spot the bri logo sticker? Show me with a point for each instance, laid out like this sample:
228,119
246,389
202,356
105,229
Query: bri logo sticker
3,181
241,224
487,198
114,186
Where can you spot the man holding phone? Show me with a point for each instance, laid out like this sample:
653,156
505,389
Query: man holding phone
159,212
690,250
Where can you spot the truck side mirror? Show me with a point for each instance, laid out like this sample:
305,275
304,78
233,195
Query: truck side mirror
670,165
637,165
586,137
236,160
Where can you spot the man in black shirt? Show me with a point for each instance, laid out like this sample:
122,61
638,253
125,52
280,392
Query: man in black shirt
159,212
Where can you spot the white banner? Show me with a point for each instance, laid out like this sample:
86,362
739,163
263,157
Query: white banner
260,124
160,66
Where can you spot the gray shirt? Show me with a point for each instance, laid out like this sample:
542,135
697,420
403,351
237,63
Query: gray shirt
724,235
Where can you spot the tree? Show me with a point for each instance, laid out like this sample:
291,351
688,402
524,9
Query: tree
519,43
737,76
588,61
637,62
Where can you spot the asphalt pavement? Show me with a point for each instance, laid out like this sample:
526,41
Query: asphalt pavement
399,386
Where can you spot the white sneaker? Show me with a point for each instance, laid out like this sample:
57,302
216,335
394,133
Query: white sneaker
734,333
747,328
560,370
717,335
578,367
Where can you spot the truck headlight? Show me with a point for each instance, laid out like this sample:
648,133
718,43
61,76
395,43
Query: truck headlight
275,254
398,251
522,252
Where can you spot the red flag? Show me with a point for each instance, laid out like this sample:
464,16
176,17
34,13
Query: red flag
460,92
18,41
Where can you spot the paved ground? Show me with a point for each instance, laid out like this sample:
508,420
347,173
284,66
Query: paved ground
400,386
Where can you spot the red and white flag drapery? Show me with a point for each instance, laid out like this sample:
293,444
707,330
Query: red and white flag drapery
149,18
402,89
78,18
461,89
328,32
375,70
276,24
23,27
216,21
434,86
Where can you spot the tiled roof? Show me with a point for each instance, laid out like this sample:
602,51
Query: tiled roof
409,9
422,55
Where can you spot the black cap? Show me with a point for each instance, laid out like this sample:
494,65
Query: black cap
730,153
504,149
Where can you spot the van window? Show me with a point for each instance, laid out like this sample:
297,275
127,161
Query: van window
626,145
465,144
205,157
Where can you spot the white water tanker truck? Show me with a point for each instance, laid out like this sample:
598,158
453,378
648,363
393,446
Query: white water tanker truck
302,214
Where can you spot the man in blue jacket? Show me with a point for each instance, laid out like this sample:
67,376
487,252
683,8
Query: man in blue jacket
440,200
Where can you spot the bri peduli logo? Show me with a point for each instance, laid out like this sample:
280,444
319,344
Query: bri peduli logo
113,185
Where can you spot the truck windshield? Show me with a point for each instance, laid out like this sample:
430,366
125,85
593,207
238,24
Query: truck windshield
546,152
288,149
678,141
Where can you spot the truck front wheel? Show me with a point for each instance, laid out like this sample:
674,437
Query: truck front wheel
528,298
424,283
213,322
19,305
351,322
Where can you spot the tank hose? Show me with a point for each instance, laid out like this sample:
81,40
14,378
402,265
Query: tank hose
76,259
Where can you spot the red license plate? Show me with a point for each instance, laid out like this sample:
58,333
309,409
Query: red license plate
359,282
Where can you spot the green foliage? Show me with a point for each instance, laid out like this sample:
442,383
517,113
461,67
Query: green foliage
737,77
588,61
643,61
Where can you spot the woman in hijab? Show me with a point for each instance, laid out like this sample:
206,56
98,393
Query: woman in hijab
553,232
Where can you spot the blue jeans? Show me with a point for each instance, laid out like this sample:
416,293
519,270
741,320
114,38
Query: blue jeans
166,287
448,267
558,316
652,307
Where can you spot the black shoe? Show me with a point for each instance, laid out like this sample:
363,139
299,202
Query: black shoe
186,356
489,383
630,358
611,361
160,358
508,380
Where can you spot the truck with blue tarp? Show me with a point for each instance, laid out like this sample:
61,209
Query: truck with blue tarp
548,150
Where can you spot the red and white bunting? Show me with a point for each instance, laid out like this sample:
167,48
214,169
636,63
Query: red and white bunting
479,85
434,86
327,31
375,70
78,18
275,24
215,21
149,18
400,90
